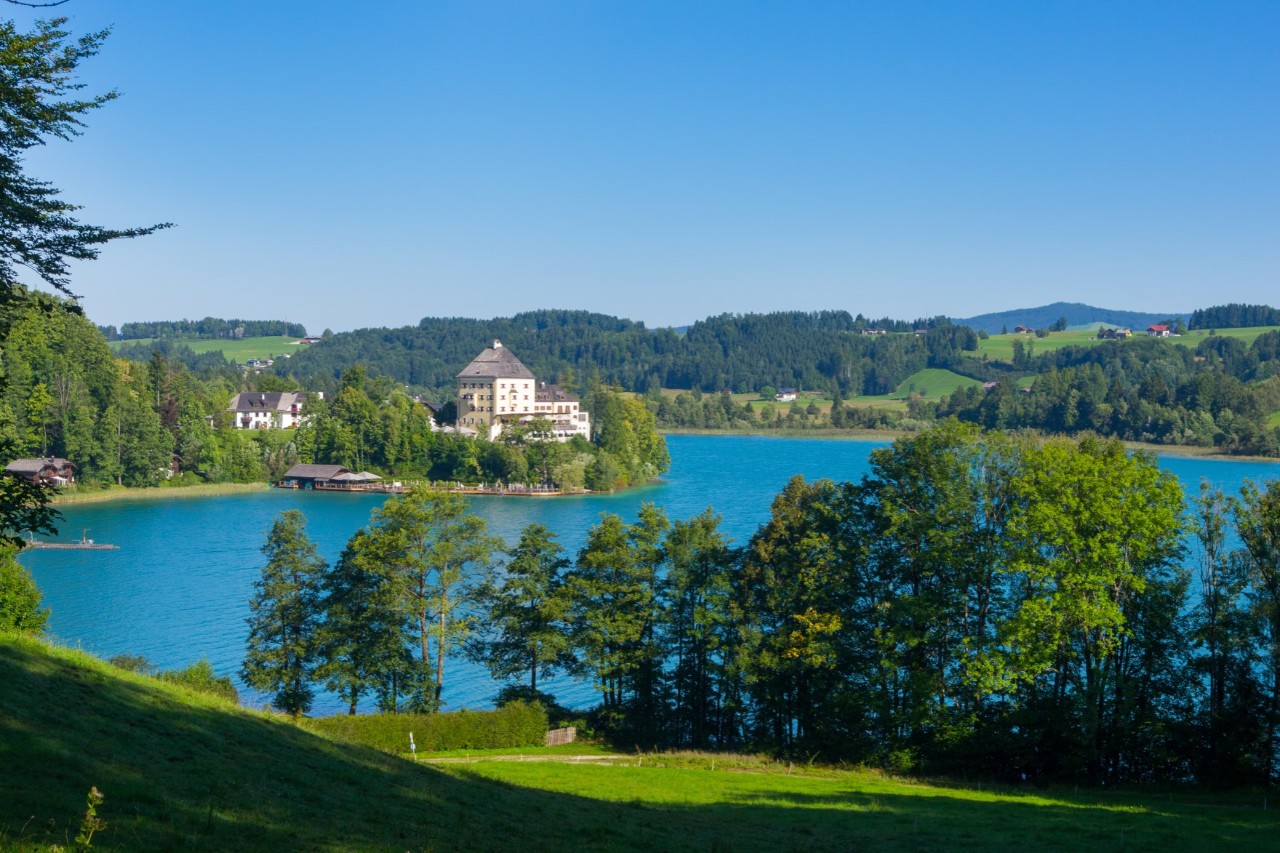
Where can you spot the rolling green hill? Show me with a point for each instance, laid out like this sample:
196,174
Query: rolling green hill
180,769
1077,314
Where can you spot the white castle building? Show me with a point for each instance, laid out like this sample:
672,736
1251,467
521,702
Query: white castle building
495,391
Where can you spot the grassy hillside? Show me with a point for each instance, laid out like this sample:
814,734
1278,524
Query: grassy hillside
241,350
1077,314
1000,347
179,769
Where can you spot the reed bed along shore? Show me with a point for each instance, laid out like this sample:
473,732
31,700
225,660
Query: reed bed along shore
155,493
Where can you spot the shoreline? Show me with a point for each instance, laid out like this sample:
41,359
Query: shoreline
154,493
1184,451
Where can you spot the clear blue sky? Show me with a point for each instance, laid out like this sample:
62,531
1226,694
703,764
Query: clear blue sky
368,164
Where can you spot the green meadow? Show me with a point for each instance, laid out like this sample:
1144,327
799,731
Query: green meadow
183,769
235,350
1000,347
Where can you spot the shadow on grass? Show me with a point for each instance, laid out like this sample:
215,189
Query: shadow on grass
184,771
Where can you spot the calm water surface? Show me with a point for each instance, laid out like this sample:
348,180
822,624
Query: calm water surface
177,589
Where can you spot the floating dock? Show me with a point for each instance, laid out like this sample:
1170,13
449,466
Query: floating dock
85,544
72,546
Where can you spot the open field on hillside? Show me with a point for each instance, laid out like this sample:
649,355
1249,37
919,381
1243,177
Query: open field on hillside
180,769
241,350
930,383
1000,347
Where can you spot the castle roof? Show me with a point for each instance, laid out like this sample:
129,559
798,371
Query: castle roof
496,362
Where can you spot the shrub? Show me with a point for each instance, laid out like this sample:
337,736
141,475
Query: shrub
19,597
516,724
200,676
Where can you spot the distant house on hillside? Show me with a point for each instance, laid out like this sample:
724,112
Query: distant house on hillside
48,470
1109,334
785,395
269,409
1024,330
1159,330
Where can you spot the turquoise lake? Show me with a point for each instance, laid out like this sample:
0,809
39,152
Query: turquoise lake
177,590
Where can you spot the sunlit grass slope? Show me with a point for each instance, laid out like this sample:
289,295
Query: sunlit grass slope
1000,347
241,350
180,770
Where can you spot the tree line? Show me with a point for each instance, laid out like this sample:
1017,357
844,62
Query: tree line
738,352
979,603
209,327
1219,394
1234,316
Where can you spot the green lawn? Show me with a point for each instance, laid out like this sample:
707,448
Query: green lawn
1274,420
183,770
241,350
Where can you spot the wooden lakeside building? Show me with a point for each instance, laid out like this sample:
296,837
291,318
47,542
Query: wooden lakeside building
336,478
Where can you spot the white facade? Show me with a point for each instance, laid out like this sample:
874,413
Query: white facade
268,409
496,389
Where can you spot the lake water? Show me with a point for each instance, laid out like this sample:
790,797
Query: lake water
177,590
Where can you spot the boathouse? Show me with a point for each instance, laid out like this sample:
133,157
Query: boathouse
48,470
312,476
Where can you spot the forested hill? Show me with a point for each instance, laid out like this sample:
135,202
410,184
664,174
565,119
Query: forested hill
1076,314
739,352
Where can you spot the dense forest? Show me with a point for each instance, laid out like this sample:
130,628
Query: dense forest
739,352
1234,316
166,420
209,327
979,603
1220,393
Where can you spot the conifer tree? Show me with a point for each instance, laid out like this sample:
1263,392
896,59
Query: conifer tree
280,654
524,611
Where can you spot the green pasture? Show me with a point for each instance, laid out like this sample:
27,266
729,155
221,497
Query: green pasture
235,350
1000,347
1248,335
184,770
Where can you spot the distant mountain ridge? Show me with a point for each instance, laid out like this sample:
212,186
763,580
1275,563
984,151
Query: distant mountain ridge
1077,314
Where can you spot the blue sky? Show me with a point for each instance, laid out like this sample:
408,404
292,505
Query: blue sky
349,164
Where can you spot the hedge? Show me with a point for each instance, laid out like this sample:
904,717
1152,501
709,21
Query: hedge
516,724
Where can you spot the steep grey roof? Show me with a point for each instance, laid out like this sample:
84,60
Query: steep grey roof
34,466
553,394
496,362
267,401
315,472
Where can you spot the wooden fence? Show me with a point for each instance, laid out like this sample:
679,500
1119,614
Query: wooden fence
558,737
